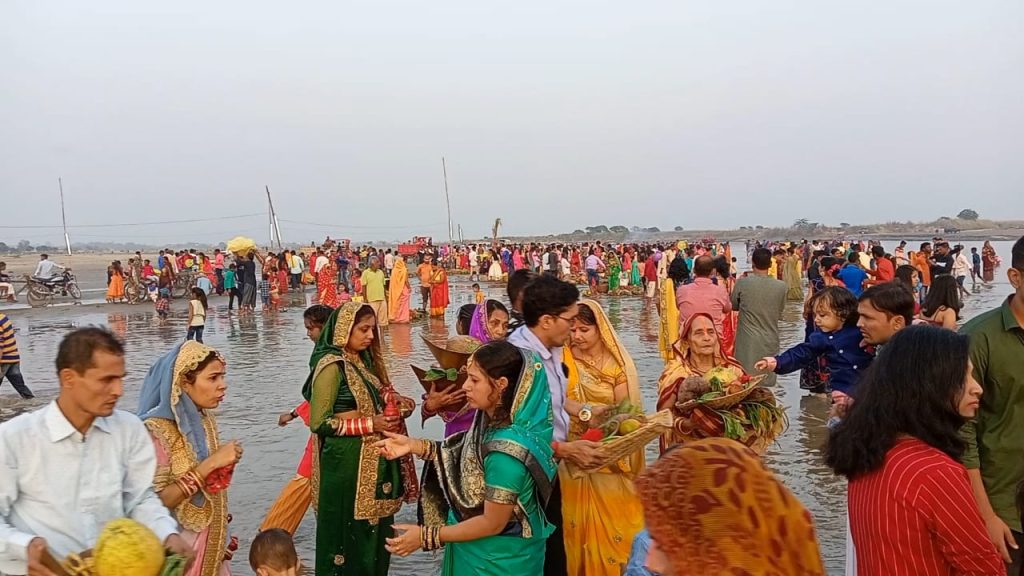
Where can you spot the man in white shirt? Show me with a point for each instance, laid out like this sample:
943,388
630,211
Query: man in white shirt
74,465
389,262
46,269
549,309
474,265
295,268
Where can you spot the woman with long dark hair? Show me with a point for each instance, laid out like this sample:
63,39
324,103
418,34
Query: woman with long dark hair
911,506
942,304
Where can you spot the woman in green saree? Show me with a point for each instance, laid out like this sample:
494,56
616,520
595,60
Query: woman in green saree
484,490
355,492
614,271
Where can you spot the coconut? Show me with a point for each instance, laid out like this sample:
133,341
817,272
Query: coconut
127,548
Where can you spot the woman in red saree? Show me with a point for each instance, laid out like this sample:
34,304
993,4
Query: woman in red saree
988,262
697,352
327,281
439,298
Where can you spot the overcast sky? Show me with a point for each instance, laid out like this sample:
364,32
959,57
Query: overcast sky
552,115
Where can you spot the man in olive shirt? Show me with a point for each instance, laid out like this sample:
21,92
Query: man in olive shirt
374,293
995,439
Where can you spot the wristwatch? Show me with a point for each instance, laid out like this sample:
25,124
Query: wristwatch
586,413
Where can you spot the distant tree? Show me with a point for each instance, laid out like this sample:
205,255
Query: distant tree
967,214
759,227
578,231
597,229
46,249
678,229
801,223
4,248
24,246
844,224
632,228
619,230
653,230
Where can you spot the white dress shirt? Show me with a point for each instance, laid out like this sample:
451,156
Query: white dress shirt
46,269
59,485
524,338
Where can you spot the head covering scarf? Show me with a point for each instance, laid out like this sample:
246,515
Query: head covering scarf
581,376
478,326
162,396
453,481
713,508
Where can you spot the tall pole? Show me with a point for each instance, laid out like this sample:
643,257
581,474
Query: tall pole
63,218
275,228
448,201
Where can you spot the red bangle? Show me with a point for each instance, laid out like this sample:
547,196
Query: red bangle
554,448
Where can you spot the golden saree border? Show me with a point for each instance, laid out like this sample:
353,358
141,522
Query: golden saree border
213,513
368,506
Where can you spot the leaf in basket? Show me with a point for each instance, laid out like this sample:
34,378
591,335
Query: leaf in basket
710,396
435,374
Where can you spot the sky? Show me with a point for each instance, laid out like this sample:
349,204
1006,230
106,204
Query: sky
550,115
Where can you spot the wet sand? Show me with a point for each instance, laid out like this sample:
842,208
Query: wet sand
267,358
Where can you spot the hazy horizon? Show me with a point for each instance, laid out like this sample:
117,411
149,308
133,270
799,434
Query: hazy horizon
552,117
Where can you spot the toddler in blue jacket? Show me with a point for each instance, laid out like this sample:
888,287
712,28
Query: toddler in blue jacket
838,339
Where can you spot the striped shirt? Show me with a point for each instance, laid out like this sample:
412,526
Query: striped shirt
8,345
916,516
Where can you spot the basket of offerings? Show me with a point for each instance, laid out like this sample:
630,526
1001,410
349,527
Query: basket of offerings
241,246
726,403
452,356
124,548
626,430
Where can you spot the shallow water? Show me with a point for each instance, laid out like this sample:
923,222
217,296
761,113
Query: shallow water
267,356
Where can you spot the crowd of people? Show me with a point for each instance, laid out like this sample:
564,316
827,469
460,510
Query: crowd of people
923,419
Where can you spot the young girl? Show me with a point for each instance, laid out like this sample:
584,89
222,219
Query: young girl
275,292
196,315
343,295
908,276
837,338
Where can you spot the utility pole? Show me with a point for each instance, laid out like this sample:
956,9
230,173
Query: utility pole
448,201
63,218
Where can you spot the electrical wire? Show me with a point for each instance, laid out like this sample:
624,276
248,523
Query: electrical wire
123,224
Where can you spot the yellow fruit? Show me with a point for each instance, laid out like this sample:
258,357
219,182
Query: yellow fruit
127,548
629,426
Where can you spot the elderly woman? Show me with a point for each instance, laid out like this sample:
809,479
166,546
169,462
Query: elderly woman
697,352
712,507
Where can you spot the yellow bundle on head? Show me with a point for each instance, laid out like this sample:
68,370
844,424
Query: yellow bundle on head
241,246
127,548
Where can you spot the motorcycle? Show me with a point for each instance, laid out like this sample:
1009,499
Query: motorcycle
42,292
139,291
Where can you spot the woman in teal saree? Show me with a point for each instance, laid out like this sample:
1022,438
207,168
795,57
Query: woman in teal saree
484,490
356,492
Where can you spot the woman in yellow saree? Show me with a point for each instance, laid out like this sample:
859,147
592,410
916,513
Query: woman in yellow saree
399,292
600,510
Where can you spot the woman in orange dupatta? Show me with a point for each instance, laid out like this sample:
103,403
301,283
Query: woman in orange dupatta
697,352
601,512
398,292
439,298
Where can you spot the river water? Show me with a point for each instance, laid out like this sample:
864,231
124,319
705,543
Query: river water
267,364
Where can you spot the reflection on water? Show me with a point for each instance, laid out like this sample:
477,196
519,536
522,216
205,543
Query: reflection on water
267,363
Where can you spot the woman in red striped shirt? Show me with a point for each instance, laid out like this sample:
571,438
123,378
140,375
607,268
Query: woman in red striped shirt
911,509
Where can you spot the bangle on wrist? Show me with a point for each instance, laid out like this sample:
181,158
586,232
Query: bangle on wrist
293,414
